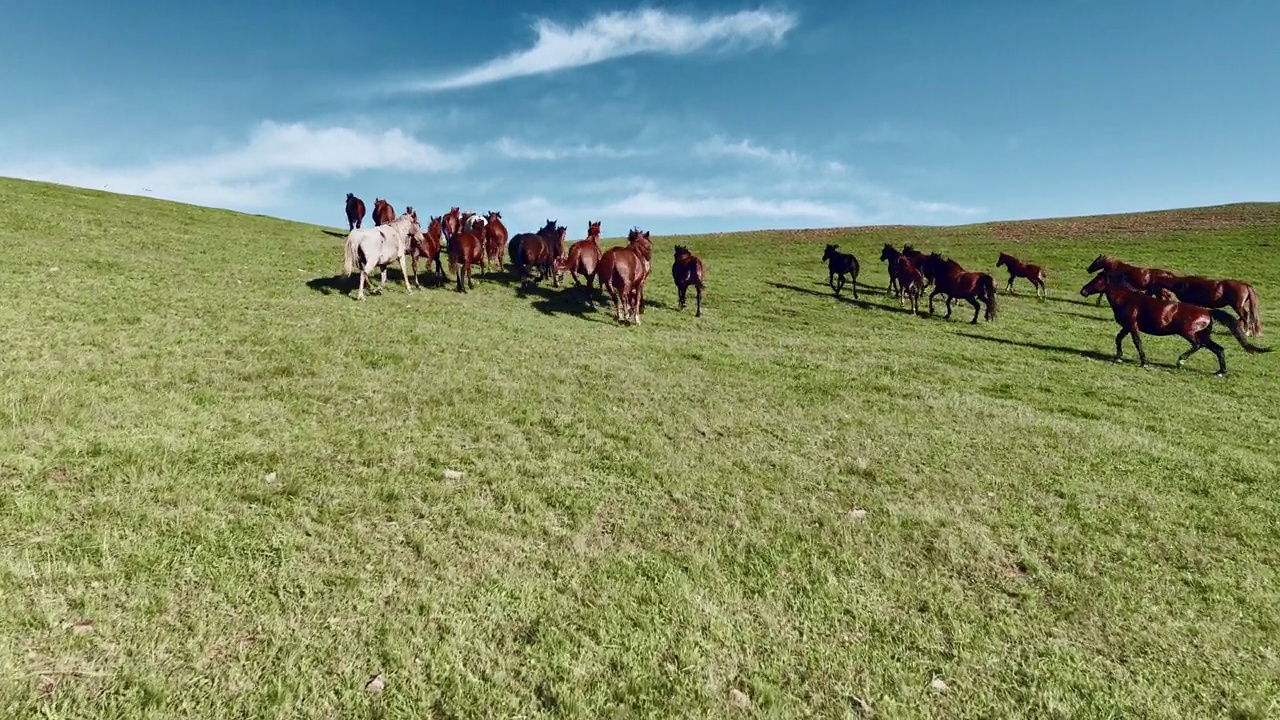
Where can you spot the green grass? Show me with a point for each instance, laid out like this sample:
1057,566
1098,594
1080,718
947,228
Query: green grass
650,518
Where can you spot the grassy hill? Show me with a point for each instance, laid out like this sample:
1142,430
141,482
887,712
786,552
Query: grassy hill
224,489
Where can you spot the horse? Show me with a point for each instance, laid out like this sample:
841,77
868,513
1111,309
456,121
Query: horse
470,220
910,281
1214,293
918,259
889,255
466,248
1136,276
584,257
838,265
959,284
513,247
687,270
623,271
1137,312
355,212
380,246
1019,269
450,222
383,213
542,251
495,238
428,247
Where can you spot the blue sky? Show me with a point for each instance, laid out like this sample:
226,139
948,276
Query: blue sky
674,117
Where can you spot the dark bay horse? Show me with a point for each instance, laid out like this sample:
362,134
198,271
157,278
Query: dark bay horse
889,255
584,258
383,213
355,212
687,270
1019,269
543,251
428,247
466,249
1137,313
1135,276
624,272
1214,293
959,284
838,265
495,238
513,246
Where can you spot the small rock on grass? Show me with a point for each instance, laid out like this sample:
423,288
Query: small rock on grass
857,515
939,685
376,684
452,475
739,699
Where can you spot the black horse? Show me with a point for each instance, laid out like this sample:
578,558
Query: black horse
838,265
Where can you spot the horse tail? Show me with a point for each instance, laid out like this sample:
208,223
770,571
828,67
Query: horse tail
1238,330
349,259
1252,320
988,286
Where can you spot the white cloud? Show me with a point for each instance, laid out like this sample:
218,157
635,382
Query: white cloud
621,34
718,146
936,208
253,175
650,204
517,150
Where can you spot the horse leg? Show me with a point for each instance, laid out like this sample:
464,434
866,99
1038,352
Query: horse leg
1142,354
1120,348
1216,349
931,296
976,308
1195,345
470,283
698,289
831,280
948,315
404,273
363,275
853,283
681,289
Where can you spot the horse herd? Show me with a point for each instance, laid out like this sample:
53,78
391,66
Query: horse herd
470,239
1143,300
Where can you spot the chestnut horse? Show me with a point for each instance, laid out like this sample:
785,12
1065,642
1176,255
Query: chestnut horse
1137,313
383,213
1214,293
584,257
624,271
1135,276
495,238
959,284
687,270
918,259
428,247
451,223
1019,269
838,265
466,248
544,251
355,212
904,277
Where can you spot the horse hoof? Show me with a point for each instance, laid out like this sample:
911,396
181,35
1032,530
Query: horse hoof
1220,373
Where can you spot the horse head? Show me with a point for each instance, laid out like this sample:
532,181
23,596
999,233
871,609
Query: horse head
889,253
593,229
493,215
829,252
681,251
1096,285
1099,263
1004,260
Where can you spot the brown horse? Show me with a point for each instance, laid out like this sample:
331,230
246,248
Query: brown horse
889,255
451,222
355,212
584,258
919,260
1135,276
466,248
495,238
624,271
383,213
958,284
543,251
1136,312
1019,269
547,231
1214,293
910,281
687,270
428,247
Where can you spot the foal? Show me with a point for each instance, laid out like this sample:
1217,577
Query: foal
687,270
1019,269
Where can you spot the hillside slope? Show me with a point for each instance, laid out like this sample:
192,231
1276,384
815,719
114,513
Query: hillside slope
225,489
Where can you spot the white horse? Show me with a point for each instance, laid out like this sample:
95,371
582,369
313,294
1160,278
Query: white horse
380,246
470,220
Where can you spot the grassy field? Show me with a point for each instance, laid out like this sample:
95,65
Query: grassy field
224,489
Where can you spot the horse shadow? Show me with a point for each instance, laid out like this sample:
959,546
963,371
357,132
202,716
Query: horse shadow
564,300
1090,354
332,284
845,298
1095,318
334,233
